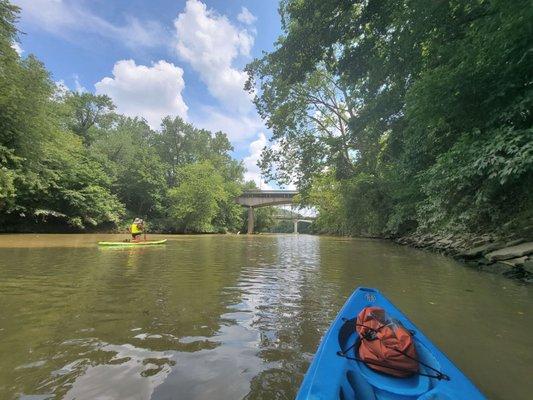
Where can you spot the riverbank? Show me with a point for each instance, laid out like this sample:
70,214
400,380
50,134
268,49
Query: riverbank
509,257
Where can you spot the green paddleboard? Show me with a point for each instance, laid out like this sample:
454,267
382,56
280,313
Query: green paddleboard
139,243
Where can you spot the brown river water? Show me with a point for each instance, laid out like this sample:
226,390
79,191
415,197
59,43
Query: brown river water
233,317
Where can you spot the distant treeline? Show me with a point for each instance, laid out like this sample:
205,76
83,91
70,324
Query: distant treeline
69,161
396,117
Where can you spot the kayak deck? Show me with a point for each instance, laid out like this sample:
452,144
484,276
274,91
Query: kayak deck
339,376
139,243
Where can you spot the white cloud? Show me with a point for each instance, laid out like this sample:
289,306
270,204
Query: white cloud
15,46
246,17
210,44
250,162
65,18
78,87
213,45
151,92
238,127
290,186
61,89
253,172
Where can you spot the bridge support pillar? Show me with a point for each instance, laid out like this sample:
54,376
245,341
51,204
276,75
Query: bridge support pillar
295,226
250,220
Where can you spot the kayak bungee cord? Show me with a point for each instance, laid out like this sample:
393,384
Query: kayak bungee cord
439,376
343,353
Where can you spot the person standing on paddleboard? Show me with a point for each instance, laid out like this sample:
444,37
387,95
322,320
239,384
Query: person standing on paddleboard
137,229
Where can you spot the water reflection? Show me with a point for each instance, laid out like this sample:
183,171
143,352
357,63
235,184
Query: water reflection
120,371
229,317
278,291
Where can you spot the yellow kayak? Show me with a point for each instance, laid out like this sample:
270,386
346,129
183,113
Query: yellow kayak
139,243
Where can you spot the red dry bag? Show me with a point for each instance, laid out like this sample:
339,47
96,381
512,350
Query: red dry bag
386,346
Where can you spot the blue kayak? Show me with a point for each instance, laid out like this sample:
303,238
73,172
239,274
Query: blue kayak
337,373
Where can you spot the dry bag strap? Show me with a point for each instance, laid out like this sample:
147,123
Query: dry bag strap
439,375
343,353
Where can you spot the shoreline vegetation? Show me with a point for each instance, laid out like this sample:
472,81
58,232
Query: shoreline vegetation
406,120
70,162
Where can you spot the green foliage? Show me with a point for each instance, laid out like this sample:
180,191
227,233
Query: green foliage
8,18
134,165
85,113
76,185
7,179
68,160
263,219
180,143
439,100
309,121
229,216
195,201
141,183
479,182
327,197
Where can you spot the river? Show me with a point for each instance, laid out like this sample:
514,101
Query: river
232,317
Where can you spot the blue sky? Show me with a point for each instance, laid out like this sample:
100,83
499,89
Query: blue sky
160,57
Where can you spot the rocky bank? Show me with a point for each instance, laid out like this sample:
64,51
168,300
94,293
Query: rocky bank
512,258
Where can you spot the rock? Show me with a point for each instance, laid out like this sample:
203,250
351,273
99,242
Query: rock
479,251
528,266
445,243
514,242
482,261
514,273
426,240
516,262
458,245
510,252
496,268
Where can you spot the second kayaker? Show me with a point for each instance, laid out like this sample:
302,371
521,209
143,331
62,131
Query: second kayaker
137,228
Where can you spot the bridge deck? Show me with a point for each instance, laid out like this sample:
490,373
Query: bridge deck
269,193
263,198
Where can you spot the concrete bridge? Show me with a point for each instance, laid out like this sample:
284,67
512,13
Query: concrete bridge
296,220
263,198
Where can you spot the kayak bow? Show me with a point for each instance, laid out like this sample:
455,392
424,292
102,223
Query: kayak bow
139,243
336,372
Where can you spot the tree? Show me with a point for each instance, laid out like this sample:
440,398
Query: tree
180,143
8,19
7,179
68,160
70,185
141,183
441,102
87,111
309,120
45,170
195,201
137,172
